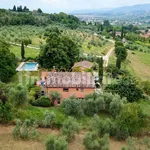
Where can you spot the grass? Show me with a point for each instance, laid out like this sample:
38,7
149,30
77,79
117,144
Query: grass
33,53
96,50
36,41
138,65
32,112
24,78
144,58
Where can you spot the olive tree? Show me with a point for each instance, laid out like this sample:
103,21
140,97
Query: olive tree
18,95
70,128
56,143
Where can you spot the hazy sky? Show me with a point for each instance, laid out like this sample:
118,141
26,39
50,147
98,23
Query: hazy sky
69,5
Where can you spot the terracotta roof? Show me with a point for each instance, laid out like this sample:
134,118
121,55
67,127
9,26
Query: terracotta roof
70,80
84,64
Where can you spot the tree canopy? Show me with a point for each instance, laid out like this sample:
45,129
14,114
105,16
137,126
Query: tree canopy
7,62
59,51
126,87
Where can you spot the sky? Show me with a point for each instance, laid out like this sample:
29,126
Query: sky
52,6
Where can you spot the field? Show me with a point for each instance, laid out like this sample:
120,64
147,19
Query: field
89,42
139,64
29,52
8,143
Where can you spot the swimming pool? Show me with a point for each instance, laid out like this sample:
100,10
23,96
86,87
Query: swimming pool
28,66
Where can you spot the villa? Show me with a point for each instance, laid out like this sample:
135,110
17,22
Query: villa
78,84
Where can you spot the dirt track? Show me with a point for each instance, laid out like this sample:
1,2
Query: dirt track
8,143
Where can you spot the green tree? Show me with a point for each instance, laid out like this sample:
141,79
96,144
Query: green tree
126,87
100,71
49,118
56,143
5,108
14,8
131,118
59,51
93,142
70,128
22,50
7,62
118,62
39,10
55,96
114,34
101,127
116,106
121,54
122,32
18,95
73,107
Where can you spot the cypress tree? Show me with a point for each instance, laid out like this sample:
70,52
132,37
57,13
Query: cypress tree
14,8
122,32
114,34
22,50
118,62
101,69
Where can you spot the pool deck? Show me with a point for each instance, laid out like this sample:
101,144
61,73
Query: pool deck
19,68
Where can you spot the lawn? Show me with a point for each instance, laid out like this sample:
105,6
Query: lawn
25,78
29,52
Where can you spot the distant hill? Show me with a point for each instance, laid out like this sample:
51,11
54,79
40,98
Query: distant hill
132,9
123,10
90,11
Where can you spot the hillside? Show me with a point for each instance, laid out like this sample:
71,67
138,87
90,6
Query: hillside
8,17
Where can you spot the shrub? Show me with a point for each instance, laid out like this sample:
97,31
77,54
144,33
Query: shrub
56,143
122,133
70,128
42,102
16,130
25,131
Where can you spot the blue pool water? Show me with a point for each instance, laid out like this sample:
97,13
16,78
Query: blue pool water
31,66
